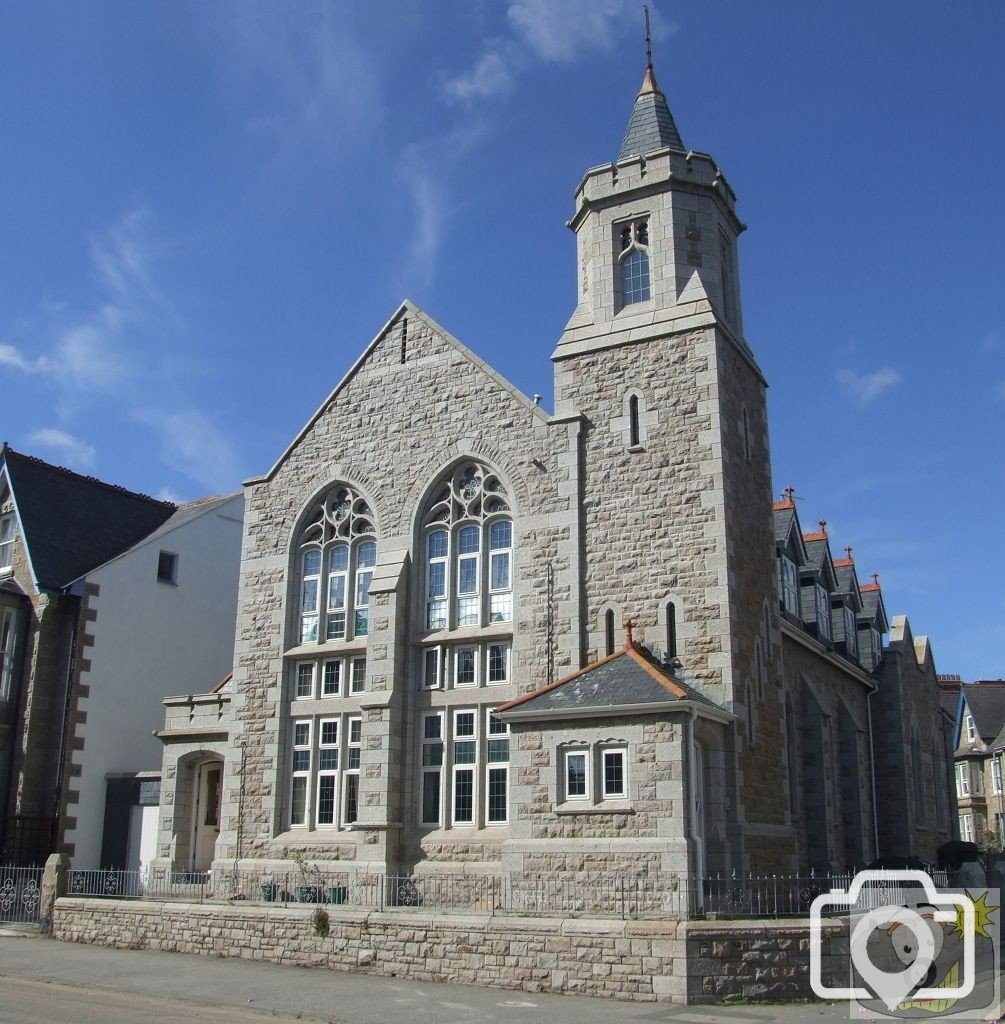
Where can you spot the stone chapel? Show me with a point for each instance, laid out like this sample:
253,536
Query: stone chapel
475,636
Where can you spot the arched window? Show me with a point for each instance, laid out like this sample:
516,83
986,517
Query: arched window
337,549
633,257
633,420
469,551
609,631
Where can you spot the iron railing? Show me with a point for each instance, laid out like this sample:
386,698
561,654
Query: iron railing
566,895
20,894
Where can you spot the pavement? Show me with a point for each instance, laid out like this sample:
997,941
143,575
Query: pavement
42,980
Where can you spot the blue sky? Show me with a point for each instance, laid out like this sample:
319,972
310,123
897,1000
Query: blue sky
211,208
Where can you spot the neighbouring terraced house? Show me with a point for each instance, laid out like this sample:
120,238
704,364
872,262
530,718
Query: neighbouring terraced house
109,601
980,762
433,668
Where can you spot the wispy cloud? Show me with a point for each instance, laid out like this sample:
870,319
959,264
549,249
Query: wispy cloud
11,356
867,387
192,444
72,451
490,77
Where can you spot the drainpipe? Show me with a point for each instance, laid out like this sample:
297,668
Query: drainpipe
872,774
697,835
63,738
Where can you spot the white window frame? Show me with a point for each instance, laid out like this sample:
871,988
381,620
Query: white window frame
337,577
962,779
971,728
507,653
310,586
977,779
469,598
604,753
338,664
357,675
458,769
302,670
7,534
437,769
432,667
967,827
567,795
476,657
996,774
328,773
438,603
353,763
500,598
496,730
637,241
8,652
362,578
304,774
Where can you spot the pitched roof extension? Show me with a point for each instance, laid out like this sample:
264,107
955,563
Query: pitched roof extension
626,680
651,125
986,700
72,523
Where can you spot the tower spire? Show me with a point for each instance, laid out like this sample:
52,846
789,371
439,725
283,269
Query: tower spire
651,125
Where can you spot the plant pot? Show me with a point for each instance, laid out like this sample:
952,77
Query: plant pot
338,894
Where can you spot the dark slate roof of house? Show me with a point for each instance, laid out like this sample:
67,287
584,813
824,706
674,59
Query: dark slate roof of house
651,125
986,701
72,523
623,680
872,604
783,513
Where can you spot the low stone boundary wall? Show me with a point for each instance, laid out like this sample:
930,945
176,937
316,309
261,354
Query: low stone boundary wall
647,961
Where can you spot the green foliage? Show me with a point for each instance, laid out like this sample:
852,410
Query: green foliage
320,923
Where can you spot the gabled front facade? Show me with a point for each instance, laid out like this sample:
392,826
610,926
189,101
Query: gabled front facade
100,604
428,671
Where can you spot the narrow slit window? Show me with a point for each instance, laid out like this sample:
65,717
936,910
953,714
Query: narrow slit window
633,420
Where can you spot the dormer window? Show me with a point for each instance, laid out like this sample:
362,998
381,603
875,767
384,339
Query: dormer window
971,729
790,585
633,258
6,541
850,632
823,613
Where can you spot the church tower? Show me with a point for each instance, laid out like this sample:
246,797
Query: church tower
675,502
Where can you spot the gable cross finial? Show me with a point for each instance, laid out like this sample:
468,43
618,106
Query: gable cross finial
789,492
847,552
629,639
823,526
875,578
649,38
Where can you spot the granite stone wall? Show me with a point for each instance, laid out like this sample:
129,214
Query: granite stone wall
643,961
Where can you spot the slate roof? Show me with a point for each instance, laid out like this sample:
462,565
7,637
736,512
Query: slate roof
72,523
628,678
986,701
783,515
651,125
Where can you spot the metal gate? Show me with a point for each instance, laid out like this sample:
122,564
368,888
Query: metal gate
20,895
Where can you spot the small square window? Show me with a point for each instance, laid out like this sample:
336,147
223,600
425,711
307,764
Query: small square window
577,775
465,666
305,680
358,682
615,783
167,567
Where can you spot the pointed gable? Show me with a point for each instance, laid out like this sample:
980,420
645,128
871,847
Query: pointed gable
986,702
651,126
70,523
873,607
628,681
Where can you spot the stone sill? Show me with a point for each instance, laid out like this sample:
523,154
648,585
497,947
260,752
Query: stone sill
601,808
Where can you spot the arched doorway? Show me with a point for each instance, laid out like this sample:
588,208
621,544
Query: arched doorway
208,788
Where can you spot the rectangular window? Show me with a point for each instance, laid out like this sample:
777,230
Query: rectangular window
310,586
8,640
305,680
790,586
338,574
167,567
850,633
468,562
7,540
962,779
967,827
978,778
328,751
971,728
497,772
498,663
577,775
432,768
357,683
500,571
331,685
614,782
996,774
465,760
350,812
823,613
301,773
366,559
436,580
465,666
431,679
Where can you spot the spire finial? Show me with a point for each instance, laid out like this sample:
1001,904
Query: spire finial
649,38
847,553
